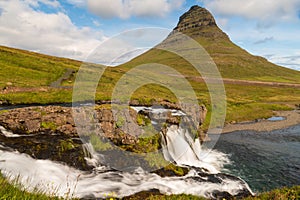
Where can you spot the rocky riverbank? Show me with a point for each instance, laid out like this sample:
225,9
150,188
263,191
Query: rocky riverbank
289,118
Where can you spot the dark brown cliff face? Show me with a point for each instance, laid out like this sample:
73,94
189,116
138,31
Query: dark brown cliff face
199,22
196,17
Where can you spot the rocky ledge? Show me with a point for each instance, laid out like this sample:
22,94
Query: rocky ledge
49,132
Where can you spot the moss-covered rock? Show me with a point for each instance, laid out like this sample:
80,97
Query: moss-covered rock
54,147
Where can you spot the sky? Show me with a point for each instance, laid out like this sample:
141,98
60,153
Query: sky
74,28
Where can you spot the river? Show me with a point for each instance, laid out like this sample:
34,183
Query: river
265,160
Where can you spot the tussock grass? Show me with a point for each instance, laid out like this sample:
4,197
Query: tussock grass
13,191
22,68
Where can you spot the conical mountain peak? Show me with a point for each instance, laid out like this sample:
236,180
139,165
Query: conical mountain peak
232,61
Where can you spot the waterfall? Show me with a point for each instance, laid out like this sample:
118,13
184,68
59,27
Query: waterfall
64,181
182,148
7,133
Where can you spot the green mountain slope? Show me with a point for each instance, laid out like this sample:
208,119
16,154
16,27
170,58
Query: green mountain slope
233,62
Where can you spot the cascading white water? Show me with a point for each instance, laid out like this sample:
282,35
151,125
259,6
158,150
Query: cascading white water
185,150
64,181
7,133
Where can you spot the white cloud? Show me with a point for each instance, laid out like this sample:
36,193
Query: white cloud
126,8
266,11
290,61
23,27
127,45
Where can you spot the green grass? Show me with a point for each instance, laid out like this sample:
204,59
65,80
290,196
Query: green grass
15,192
49,125
243,102
27,69
98,144
292,193
175,197
232,61
51,96
66,145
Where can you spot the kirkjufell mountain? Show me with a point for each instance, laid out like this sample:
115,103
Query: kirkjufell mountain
232,61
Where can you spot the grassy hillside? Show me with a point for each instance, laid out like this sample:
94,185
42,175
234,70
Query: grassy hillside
26,77
34,71
21,68
232,61
236,63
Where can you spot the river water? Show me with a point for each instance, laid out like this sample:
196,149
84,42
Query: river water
265,160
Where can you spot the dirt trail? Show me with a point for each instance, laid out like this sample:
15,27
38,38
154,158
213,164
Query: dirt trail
68,73
65,76
8,90
55,84
245,82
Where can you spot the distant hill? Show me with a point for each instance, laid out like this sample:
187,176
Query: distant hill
233,62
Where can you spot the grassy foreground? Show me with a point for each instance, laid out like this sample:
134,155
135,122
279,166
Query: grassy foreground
292,193
11,192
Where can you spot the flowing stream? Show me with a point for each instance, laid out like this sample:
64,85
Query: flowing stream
266,160
203,179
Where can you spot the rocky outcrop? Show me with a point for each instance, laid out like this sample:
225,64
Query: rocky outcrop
50,132
199,21
195,17
35,120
